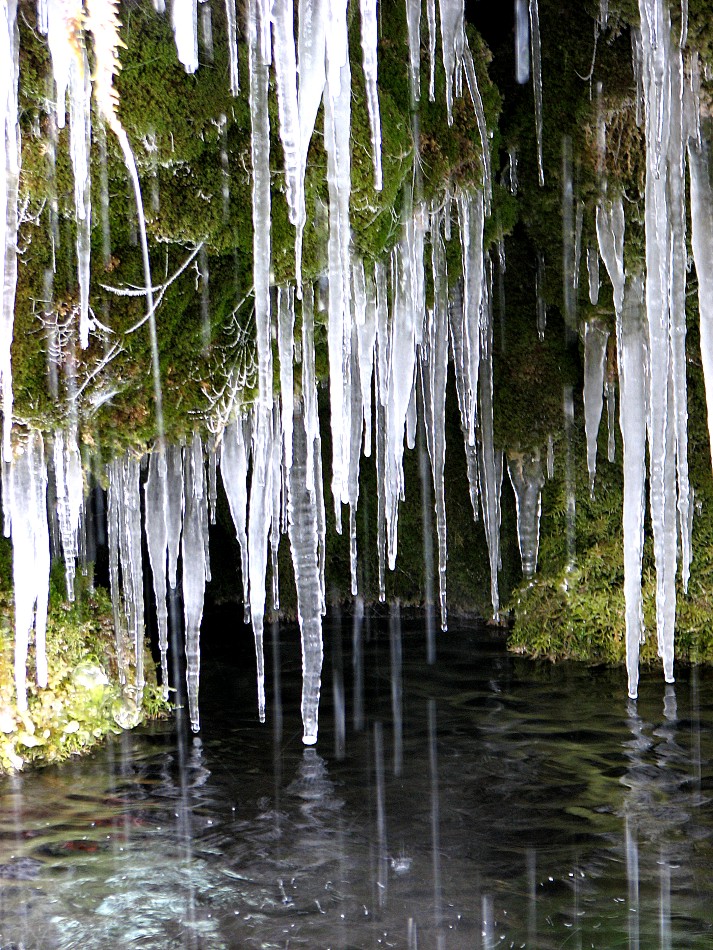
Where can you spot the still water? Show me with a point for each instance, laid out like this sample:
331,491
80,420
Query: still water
482,801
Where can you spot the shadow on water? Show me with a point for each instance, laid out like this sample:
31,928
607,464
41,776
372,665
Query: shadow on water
480,801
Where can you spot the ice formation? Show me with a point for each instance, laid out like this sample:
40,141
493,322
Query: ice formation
390,335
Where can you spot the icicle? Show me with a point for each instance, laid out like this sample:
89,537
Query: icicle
336,140
537,83
69,490
232,27
286,74
570,303
522,42
577,255
456,334
234,470
470,210
550,457
490,459
655,28
593,274
610,392
527,480
369,40
633,360
277,472
595,353
285,340
26,501
355,440
309,381
311,49
304,545
610,235
195,570
677,305
258,531
207,30
212,482
474,90
413,24
453,40
431,15
434,377
155,524
260,151
366,336
175,505
184,18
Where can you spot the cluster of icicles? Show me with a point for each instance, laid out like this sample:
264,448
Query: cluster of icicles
382,339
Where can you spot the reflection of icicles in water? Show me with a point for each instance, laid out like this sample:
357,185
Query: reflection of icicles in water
26,503
632,350
195,568
527,479
304,544
69,488
595,353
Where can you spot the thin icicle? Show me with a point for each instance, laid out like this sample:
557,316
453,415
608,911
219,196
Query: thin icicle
234,470
277,473
366,337
304,545
474,89
69,490
309,381
536,53
285,340
369,40
472,221
593,274
286,74
232,27
431,15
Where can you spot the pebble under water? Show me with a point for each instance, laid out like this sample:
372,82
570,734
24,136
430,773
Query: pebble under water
483,801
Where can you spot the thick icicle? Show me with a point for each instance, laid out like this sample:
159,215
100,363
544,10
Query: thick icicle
155,524
655,31
369,39
309,381
527,480
610,235
522,36
69,490
27,505
184,18
633,361
595,355
234,470
195,570
452,38
304,545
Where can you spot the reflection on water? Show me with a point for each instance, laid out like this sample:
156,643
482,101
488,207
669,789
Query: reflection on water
481,801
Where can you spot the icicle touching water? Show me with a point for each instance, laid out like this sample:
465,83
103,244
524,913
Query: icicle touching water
27,504
195,569
304,545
